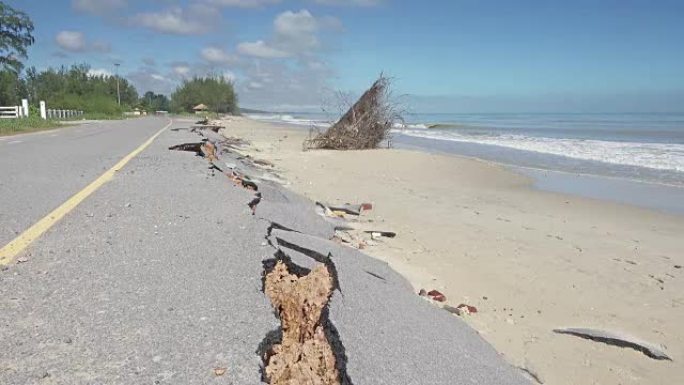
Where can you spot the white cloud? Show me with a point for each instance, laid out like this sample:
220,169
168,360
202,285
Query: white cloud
75,41
216,55
181,70
294,34
99,72
196,19
260,49
296,31
269,84
300,80
72,41
242,3
146,79
98,7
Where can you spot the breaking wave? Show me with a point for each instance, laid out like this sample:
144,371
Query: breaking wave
660,156
290,119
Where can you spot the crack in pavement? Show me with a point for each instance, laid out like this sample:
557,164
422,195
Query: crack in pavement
306,348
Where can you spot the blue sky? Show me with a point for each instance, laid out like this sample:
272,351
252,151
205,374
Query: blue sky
446,56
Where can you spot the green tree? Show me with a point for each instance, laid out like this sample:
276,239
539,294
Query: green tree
152,102
76,88
214,91
16,35
12,88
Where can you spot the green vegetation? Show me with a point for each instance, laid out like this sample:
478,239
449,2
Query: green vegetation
73,88
152,102
12,88
76,89
33,123
214,92
16,35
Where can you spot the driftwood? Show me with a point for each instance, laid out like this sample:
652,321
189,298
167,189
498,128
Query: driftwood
364,126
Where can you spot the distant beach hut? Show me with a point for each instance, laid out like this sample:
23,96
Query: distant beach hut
200,109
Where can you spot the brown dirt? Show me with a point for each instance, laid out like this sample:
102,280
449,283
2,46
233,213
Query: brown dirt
304,356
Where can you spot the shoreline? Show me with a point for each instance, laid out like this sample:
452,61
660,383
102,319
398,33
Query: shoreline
529,260
630,190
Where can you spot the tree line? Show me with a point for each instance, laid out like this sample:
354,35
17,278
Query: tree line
74,88
77,88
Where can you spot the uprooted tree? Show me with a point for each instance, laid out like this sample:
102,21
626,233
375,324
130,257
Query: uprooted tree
364,126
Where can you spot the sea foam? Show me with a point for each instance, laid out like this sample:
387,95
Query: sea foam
661,156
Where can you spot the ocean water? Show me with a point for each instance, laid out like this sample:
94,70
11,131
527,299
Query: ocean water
639,147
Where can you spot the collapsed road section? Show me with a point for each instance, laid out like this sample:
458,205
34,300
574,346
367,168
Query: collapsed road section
304,354
375,332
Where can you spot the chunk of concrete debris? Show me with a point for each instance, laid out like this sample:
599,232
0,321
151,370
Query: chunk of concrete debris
436,296
348,209
467,309
208,150
304,356
460,310
263,162
617,339
381,234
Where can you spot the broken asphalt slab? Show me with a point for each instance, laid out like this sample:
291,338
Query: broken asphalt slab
157,278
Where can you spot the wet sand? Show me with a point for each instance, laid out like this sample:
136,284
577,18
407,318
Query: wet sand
529,260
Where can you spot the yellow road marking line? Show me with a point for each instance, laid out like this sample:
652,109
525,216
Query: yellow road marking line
12,249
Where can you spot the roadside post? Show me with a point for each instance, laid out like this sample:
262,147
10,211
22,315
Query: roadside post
24,106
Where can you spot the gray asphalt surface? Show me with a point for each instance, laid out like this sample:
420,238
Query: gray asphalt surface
40,171
156,279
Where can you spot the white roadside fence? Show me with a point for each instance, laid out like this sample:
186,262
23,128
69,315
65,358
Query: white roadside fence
15,112
62,114
10,112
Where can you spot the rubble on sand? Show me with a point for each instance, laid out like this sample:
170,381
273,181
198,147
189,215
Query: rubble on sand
433,295
344,209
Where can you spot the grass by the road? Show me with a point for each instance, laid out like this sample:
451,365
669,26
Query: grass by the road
22,125
35,123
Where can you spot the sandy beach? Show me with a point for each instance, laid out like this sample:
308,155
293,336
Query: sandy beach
530,261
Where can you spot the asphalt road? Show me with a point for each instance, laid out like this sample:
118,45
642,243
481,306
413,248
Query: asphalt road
40,171
156,278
